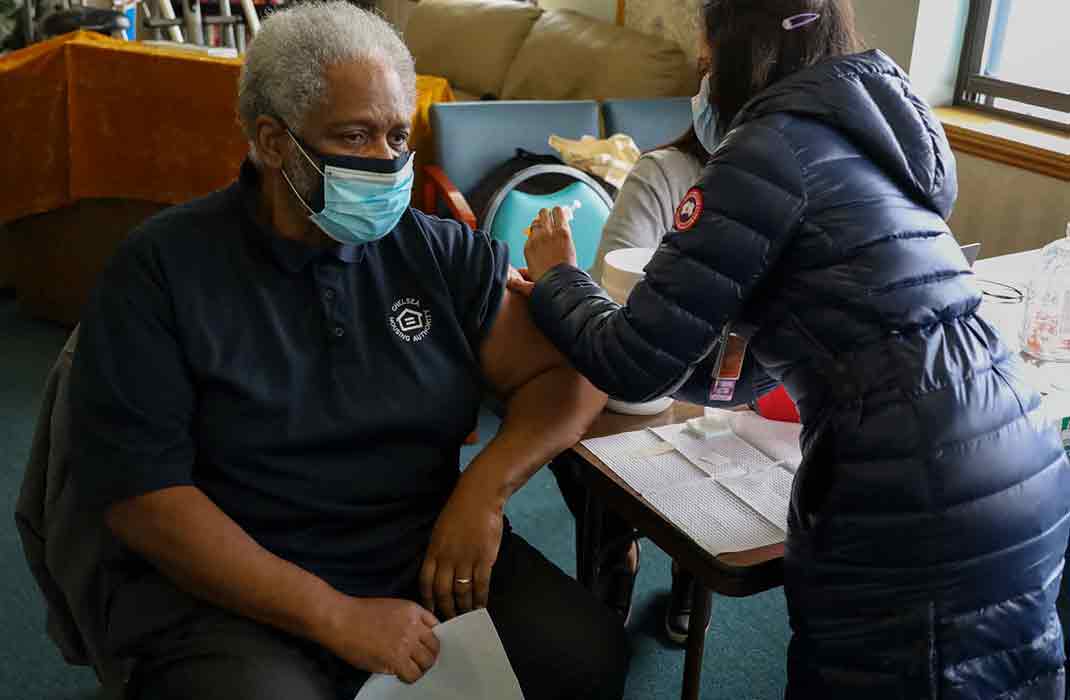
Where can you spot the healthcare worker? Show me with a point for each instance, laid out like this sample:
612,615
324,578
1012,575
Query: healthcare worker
642,214
928,520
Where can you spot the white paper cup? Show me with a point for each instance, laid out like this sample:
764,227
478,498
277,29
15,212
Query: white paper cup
622,269
649,408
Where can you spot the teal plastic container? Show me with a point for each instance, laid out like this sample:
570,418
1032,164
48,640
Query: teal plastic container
518,210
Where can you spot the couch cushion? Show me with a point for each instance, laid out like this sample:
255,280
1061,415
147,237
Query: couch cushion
460,95
471,43
568,56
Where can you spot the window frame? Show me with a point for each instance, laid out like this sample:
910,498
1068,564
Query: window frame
975,90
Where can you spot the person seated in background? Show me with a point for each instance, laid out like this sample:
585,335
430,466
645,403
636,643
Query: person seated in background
642,213
269,396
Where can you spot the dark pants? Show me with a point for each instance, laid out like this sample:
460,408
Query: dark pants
616,531
561,642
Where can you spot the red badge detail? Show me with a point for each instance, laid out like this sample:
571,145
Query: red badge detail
689,211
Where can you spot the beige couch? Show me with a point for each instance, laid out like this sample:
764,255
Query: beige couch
514,51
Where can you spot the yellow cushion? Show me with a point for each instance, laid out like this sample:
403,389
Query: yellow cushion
471,43
568,56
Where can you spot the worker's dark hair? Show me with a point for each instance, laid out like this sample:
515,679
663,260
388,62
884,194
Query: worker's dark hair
752,49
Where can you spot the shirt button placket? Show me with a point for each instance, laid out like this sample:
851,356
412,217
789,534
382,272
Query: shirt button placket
327,277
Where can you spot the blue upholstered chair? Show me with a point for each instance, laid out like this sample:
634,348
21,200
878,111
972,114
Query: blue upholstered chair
650,123
473,138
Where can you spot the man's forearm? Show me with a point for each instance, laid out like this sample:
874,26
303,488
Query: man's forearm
544,417
207,554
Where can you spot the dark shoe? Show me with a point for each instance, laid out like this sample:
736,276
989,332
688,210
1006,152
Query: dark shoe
678,614
618,583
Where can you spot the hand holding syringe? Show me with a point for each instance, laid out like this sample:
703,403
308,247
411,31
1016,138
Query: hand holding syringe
569,214
549,244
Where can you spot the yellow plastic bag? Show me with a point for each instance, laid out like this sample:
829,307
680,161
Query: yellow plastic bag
610,159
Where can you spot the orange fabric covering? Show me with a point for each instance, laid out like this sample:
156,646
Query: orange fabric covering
89,116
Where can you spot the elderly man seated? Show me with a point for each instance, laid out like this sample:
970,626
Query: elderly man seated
270,393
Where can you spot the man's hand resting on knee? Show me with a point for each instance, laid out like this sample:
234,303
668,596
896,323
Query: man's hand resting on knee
455,577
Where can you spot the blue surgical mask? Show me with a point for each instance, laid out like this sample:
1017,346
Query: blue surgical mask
362,199
705,118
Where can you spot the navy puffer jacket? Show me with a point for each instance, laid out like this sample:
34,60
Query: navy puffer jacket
929,517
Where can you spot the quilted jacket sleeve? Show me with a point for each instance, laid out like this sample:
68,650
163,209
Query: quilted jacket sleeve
752,201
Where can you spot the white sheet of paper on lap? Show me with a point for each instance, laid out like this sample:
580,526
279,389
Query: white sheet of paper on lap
471,665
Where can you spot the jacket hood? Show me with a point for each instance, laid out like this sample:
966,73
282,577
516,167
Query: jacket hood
868,98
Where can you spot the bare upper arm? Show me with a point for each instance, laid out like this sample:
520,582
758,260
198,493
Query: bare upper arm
515,351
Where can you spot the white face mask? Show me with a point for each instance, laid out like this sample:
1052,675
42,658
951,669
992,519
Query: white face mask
705,117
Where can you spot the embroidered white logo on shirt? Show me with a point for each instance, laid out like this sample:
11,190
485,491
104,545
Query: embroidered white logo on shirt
409,320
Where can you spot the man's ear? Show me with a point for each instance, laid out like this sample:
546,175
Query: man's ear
271,140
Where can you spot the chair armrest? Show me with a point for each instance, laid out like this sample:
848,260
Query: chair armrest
437,182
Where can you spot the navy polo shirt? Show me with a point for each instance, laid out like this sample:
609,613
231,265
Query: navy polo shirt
318,396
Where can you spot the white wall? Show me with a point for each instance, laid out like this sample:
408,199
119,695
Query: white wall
1007,209
889,25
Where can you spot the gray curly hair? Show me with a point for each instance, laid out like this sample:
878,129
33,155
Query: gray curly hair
284,74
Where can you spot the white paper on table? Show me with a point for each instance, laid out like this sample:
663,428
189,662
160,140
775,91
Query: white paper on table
715,518
777,439
641,460
723,455
767,491
471,665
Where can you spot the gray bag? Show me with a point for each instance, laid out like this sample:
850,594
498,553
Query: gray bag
63,541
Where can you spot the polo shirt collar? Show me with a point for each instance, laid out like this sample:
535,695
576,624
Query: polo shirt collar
290,255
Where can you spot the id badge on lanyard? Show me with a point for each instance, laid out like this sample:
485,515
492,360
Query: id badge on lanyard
729,366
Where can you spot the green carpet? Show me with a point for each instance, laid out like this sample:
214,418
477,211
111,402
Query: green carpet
744,651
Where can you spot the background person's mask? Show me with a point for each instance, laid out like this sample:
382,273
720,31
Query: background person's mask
705,117
361,199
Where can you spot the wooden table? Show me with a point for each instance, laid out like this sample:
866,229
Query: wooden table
737,574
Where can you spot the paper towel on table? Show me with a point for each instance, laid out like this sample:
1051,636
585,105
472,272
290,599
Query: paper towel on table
767,491
777,439
715,518
471,665
721,456
643,460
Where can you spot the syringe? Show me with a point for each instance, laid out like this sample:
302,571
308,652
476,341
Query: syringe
569,213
